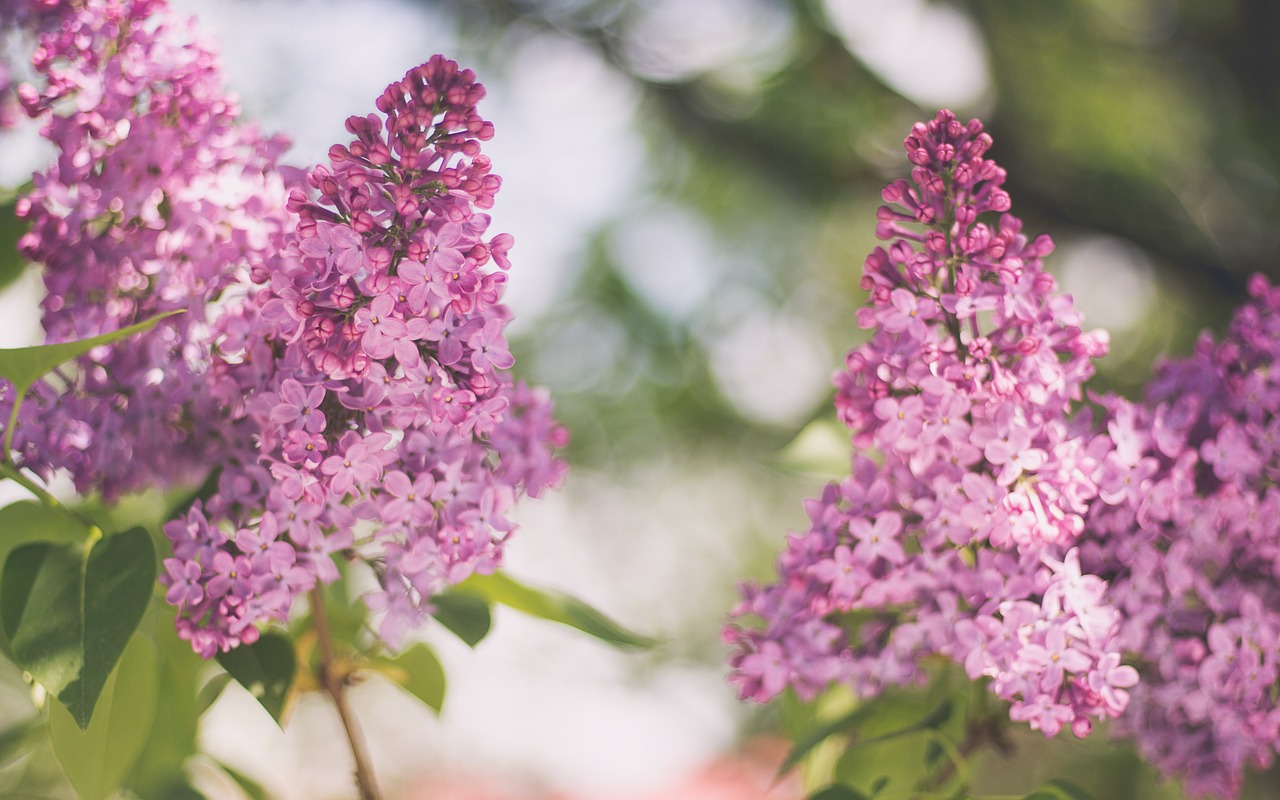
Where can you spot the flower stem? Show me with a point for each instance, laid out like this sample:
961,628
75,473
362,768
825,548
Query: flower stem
7,470
335,685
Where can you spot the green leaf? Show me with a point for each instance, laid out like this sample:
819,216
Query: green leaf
819,735
159,772
932,752
1059,789
419,672
248,785
837,792
27,521
212,690
179,791
15,740
347,618
24,366
1070,790
11,229
554,606
99,758
933,719
468,616
69,611
878,785
266,668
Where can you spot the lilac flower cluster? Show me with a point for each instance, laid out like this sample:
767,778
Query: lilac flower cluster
1193,555
368,364
342,357
159,200
954,533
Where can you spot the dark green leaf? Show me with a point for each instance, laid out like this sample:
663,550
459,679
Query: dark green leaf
266,668
180,791
1070,790
69,611
837,792
118,579
554,606
160,771
468,616
932,752
212,690
933,719
11,229
28,521
878,784
1059,790
819,735
98,759
419,672
248,785
24,366
15,740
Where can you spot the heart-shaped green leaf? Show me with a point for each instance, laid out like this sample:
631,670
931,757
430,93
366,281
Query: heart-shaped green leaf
266,668
419,672
98,759
27,521
70,609
159,772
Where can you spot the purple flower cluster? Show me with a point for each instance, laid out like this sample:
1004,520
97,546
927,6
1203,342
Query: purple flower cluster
159,200
368,364
342,357
1193,556
956,537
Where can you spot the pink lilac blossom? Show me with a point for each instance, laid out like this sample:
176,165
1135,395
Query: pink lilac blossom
340,359
955,533
159,199
1192,553
367,364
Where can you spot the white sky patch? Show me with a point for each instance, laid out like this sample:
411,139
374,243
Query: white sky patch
930,52
669,258
301,68
774,368
674,40
1111,280
566,148
25,151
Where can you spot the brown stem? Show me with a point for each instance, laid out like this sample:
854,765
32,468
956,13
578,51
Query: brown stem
335,685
